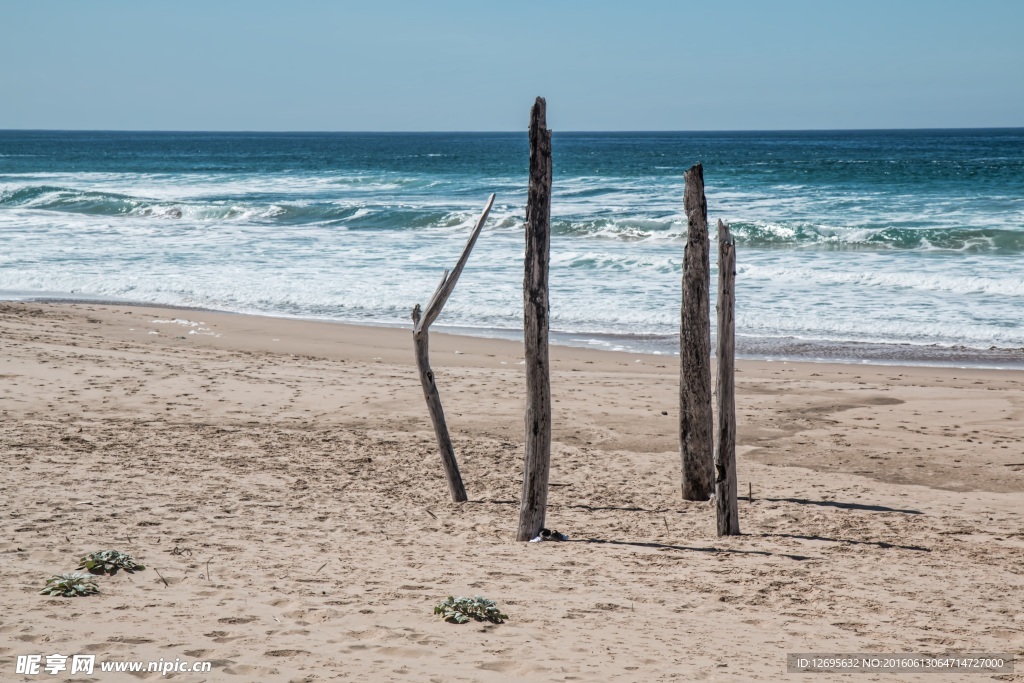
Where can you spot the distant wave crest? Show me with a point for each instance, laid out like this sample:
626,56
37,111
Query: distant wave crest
994,240
591,222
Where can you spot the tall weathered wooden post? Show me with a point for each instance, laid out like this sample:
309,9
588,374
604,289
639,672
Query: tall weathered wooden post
727,507
695,415
537,462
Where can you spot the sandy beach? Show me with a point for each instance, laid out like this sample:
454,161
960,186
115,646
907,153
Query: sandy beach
283,479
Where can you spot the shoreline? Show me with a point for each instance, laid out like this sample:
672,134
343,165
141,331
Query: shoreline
767,349
285,339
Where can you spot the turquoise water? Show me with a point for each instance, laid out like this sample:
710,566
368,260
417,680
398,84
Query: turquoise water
878,245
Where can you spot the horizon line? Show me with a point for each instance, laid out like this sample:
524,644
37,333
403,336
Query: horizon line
492,132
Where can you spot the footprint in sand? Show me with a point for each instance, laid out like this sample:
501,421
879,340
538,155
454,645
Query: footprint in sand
236,620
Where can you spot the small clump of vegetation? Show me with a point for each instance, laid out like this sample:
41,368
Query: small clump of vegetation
108,562
70,585
461,610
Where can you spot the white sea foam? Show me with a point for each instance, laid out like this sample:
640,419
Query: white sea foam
959,283
366,247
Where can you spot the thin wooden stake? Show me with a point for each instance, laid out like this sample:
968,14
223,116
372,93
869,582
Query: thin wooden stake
696,421
161,577
537,461
726,505
421,341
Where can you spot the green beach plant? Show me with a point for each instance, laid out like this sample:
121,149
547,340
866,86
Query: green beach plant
461,610
71,585
108,562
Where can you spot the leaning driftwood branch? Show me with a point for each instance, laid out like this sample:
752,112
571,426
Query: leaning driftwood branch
421,323
537,459
727,509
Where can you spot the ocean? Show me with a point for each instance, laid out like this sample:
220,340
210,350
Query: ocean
899,247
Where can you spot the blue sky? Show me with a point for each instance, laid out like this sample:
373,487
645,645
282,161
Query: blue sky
447,65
